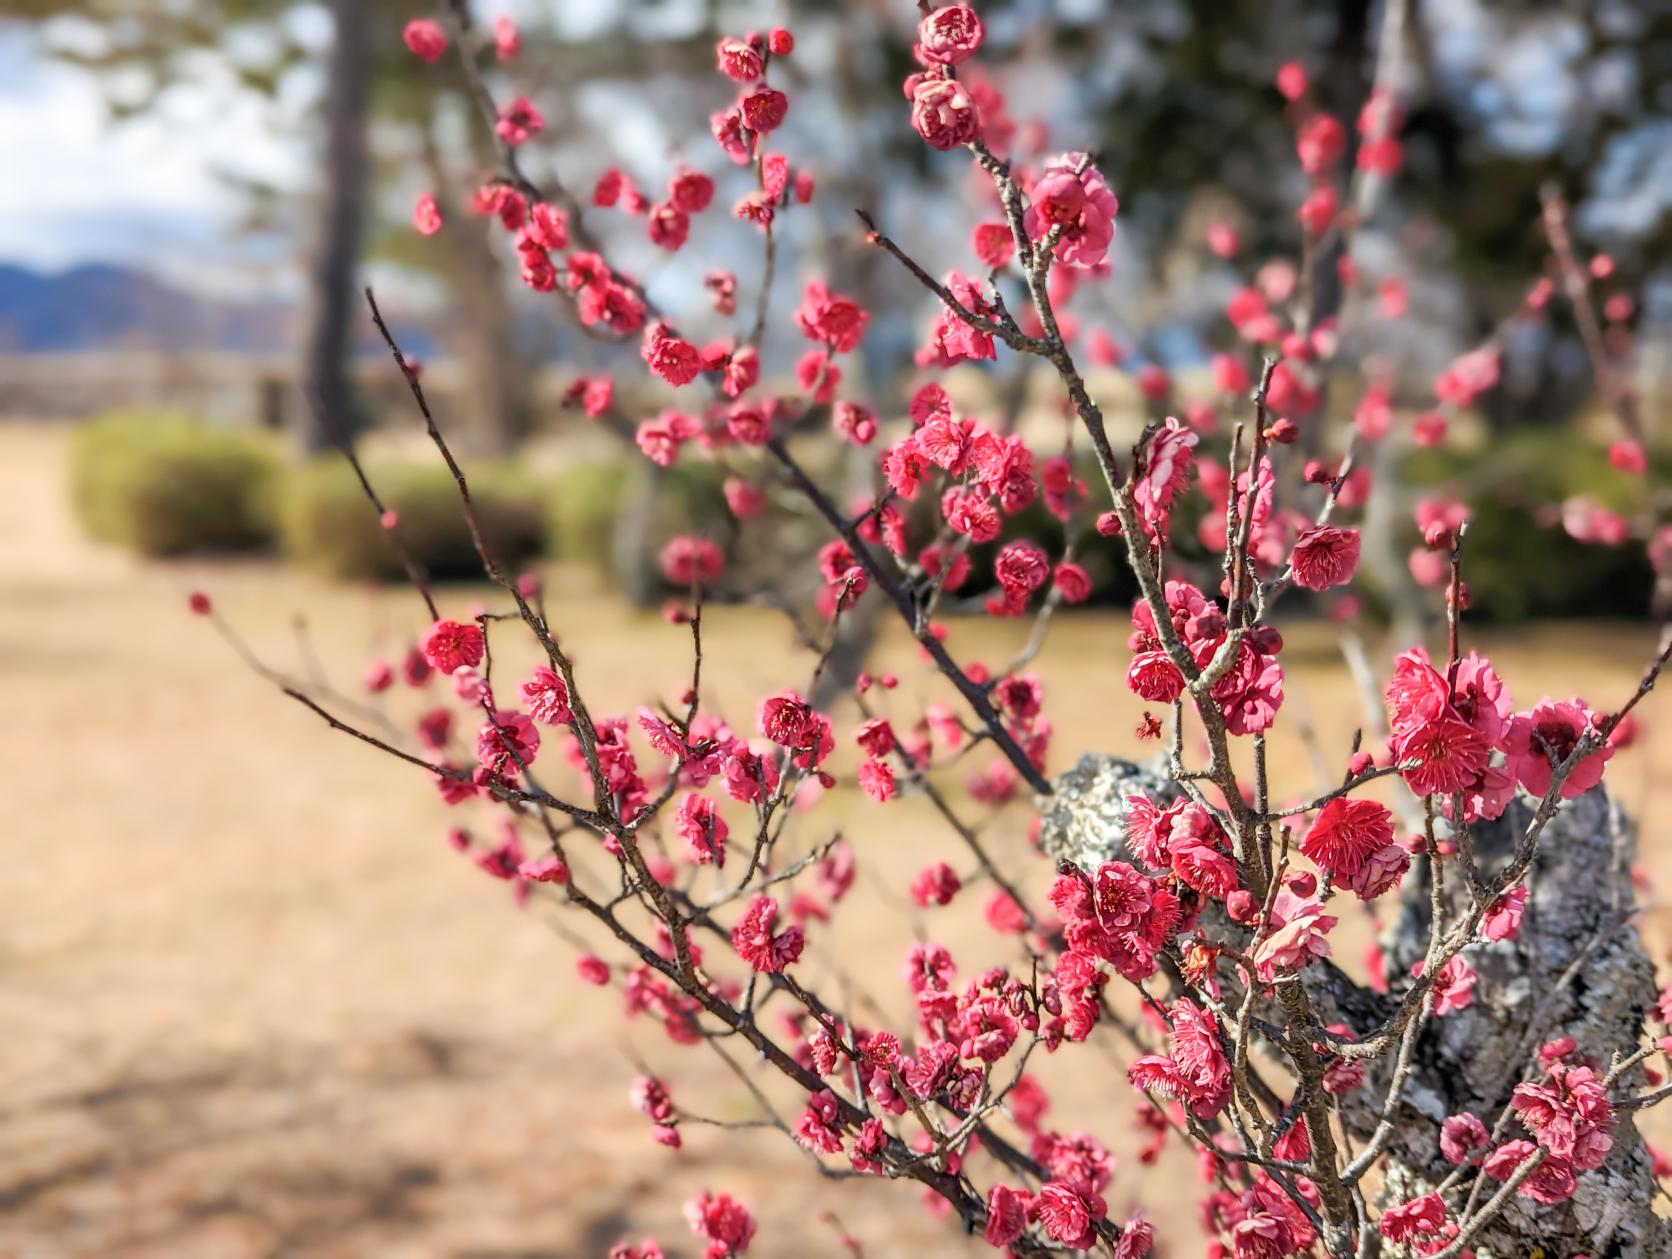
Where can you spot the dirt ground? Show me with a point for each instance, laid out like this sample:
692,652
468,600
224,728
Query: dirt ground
251,1004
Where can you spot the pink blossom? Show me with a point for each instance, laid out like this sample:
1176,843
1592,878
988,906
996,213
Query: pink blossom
425,39
818,1128
787,719
1072,582
1468,376
1262,1235
952,338
876,780
763,109
935,885
594,970
727,128
1153,676
1429,429
1169,462
854,423
593,394
1627,456
469,685
1318,211
756,943
1553,730
691,191
1080,204
1586,520
1195,1070
1021,567
1454,985
1448,754
426,215
750,777
1421,1217
739,60
1003,914
868,1146
547,696
704,831
1382,870
1461,1135
688,561
507,41
673,359
506,743
968,512
993,244
1007,1215
1325,556
1503,916
1297,934
1345,833
1570,1114
723,1220
949,36
380,676
745,501
519,122
1137,1238
546,868
660,439
1069,1216
943,113
1321,143
1203,867
450,645
1552,1182
668,225
831,319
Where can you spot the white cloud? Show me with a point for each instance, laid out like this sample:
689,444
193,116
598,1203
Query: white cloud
80,186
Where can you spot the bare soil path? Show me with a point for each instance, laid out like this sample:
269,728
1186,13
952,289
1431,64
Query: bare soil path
251,1004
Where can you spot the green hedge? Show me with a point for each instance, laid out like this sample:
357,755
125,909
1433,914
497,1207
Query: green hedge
1522,564
163,484
587,500
328,523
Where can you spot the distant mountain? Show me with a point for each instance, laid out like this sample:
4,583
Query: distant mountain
103,307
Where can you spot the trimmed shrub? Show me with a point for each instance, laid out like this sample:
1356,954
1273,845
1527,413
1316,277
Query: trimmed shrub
162,483
328,523
584,502
588,499
1520,562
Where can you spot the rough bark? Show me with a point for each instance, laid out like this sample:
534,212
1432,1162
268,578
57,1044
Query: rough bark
1577,968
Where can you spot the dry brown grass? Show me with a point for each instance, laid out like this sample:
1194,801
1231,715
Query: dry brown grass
253,1005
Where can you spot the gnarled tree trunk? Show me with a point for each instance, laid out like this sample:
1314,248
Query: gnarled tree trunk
1577,967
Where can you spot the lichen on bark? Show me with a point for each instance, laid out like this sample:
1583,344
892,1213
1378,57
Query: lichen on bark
1577,967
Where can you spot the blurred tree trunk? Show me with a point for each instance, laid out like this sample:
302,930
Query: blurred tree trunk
329,336
632,570
500,371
